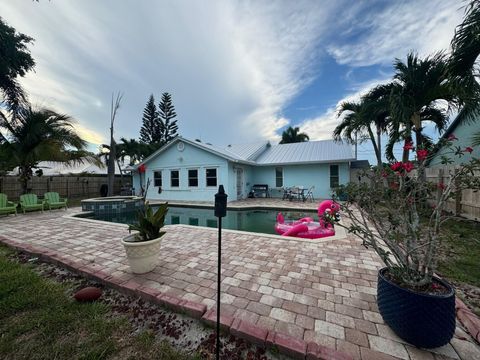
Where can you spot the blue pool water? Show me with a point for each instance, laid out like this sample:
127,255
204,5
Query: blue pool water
260,221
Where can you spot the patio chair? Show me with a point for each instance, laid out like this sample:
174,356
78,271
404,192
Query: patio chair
30,202
7,207
309,194
53,201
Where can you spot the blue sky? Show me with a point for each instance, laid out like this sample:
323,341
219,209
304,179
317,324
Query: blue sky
238,71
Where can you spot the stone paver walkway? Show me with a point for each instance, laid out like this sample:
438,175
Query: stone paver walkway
322,292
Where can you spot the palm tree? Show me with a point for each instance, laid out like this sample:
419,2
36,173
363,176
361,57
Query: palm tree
293,135
418,86
40,135
358,119
461,65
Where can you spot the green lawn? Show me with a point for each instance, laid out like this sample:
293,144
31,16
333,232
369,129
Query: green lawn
39,320
460,260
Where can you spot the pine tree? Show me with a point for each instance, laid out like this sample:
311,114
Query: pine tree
167,115
151,131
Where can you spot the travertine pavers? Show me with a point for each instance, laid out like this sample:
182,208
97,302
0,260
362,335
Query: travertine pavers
322,292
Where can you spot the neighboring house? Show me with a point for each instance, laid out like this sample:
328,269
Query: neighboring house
464,131
52,168
192,170
357,170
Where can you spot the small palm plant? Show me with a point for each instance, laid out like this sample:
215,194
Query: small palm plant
149,223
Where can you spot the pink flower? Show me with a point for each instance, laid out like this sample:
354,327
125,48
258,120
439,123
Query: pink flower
394,186
422,154
384,174
408,166
468,149
441,186
452,137
408,146
396,166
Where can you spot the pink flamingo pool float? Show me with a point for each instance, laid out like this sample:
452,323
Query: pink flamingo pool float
306,227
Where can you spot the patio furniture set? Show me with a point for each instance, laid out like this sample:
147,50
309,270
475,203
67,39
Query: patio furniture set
298,193
31,202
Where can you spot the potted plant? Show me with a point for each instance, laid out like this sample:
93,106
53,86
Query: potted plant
143,247
400,215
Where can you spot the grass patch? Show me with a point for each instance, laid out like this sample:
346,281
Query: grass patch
40,320
460,252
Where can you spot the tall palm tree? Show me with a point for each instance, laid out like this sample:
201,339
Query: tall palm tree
293,135
40,135
462,69
417,88
359,119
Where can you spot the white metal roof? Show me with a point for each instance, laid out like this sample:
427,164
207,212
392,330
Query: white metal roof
307,152
262,153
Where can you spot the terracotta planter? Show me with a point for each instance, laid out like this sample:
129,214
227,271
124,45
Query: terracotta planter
142,256
424,320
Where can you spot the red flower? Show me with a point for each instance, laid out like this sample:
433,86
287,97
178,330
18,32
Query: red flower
408,146
142,168
441,186
422,154
452,137
408,166
394,186
384,174
468,149
396,166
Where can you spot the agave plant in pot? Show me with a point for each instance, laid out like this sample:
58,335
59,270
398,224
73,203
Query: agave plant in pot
143,247
400,214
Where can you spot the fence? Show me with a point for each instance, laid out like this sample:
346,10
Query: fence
465,203
66,186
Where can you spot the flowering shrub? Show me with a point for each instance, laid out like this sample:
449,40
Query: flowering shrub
400,214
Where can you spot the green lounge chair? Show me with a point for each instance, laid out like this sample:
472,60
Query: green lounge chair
53,201
7,207
30,202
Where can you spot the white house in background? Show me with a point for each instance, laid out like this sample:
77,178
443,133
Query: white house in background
53,168
191,170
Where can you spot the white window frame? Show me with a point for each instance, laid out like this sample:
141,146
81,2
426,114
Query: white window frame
334,176
155,178
216,177
277,178
171,186
188,178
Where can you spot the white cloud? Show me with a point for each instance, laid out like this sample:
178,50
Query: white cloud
377,37
231,66
321,127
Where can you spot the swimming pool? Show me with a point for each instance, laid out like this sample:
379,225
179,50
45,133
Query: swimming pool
253,220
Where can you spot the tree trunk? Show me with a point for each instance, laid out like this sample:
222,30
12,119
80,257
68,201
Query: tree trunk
379,144
111,165
121,173
375,147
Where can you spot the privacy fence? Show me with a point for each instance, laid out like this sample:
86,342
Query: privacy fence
66,186
465,203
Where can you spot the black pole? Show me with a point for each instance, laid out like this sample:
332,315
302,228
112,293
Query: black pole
220,211
219,280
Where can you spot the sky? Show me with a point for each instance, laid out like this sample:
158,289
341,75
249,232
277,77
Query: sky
238,71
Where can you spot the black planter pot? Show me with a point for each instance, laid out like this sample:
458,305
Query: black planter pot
423,320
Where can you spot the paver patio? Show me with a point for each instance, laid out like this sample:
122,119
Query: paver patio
315,291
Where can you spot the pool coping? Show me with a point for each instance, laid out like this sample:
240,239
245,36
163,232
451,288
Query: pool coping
340,232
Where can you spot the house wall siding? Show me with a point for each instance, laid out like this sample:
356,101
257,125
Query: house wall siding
190,158
317,175
464,133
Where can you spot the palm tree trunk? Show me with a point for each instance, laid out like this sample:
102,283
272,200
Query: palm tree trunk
375,147
379,144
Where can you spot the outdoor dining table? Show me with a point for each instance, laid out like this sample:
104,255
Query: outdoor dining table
294,192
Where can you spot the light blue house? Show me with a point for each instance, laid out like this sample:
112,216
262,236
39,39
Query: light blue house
192,170
464,132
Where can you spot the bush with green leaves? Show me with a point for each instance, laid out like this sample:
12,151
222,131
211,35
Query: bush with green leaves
149,223
400,214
